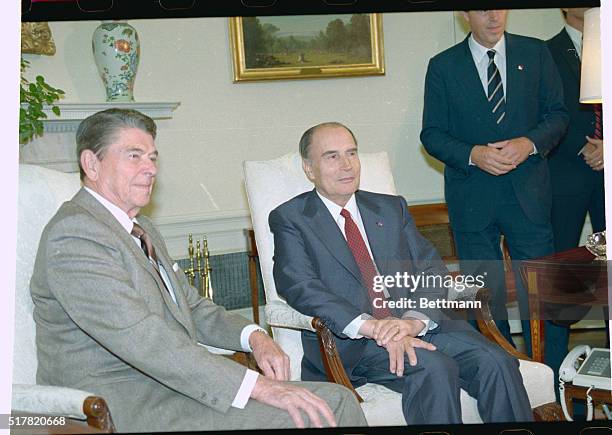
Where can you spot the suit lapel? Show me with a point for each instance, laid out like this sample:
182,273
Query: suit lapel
180,308
326,229
88,202
512,77
570,55
375,230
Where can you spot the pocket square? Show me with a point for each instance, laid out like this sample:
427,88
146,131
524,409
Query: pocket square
175,267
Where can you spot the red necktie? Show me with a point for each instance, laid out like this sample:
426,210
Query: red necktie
365,263
598,133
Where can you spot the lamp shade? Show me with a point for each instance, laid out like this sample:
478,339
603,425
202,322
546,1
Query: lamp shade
590,76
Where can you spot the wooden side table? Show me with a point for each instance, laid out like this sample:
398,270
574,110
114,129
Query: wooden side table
570,278
599,397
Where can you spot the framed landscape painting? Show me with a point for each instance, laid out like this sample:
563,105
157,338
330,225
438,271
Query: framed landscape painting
307,46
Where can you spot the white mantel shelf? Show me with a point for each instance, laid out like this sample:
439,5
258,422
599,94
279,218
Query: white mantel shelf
71,114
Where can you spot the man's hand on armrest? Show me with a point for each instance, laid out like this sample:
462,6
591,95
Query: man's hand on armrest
271,359
293,399
384,330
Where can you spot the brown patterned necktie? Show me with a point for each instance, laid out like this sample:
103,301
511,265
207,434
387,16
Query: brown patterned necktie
148,248
364,261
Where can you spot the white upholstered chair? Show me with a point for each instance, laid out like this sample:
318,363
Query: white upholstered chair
41,192
272,182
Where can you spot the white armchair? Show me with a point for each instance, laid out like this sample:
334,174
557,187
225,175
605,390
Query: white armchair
272,182
41,192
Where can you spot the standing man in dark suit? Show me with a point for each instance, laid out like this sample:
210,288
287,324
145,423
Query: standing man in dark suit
329,246
576,165
115,316
493,111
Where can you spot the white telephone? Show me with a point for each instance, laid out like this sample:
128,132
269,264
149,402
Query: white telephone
588,368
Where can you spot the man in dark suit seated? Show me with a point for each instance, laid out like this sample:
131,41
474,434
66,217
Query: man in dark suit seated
331,243
493,110
115,317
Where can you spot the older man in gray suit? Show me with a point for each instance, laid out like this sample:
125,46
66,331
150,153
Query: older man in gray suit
116,317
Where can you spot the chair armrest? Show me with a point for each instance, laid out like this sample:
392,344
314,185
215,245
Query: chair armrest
279,314
62,401
487,325
331,357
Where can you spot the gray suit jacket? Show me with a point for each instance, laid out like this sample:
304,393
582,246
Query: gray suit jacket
106,324
315,271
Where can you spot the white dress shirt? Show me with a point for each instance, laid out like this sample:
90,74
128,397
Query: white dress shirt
250,377
481,60
352,329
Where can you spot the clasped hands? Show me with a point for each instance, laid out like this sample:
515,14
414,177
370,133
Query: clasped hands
499,158
273,390
593,153
398,337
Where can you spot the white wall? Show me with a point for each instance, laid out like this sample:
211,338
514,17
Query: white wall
219,124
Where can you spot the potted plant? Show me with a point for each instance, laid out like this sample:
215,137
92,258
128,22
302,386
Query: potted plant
33,96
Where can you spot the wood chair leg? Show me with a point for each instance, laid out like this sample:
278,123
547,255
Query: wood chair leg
487,325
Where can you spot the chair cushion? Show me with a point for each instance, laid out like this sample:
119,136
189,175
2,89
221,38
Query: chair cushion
41,192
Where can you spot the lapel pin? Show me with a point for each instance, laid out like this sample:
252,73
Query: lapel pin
379,223
520,67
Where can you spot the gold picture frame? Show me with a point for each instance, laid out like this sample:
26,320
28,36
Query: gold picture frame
36,38
345,45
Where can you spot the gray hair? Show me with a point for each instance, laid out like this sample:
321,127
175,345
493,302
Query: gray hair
306,139
98,131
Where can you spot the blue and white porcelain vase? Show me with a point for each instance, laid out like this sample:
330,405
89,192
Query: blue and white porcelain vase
116,50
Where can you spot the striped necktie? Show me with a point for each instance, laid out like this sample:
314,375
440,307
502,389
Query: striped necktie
495,88
147,246
598,133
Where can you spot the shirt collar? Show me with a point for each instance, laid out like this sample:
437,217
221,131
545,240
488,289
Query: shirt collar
335,209
119,214
480,51
576,37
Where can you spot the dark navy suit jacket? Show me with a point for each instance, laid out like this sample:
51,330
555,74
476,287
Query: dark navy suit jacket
315,271
570,173
457,116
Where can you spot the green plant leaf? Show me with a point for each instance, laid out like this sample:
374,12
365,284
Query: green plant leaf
32,96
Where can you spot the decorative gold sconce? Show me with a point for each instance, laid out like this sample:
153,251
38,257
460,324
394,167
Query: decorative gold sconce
199,266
